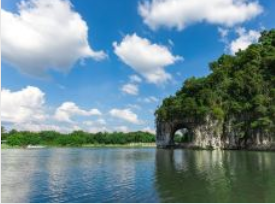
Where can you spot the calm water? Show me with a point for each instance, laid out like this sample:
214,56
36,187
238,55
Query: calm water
136,175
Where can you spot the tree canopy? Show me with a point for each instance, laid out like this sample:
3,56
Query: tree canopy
76,138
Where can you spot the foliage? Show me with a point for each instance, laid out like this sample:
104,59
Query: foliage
182,138
76,138
3,133
3,129
240,87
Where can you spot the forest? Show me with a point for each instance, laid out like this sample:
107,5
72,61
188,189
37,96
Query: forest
75,138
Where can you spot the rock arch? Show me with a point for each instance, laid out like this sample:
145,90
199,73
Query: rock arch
207,134
167,129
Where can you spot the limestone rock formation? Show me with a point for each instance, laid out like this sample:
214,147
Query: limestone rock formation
213,134
231,108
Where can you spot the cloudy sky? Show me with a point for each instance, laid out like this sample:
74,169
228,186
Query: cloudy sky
105,65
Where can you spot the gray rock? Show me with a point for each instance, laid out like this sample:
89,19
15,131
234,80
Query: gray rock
214,134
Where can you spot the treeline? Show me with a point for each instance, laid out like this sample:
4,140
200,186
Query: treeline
76,138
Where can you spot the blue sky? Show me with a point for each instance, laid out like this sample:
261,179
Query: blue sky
124,62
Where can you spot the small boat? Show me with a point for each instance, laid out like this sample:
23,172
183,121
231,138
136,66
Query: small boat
35,147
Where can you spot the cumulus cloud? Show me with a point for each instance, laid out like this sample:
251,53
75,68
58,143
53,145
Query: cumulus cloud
68,109
150,99
26,109
131,89
122,128
245,38
134,106
224,34
125,114
146,58
95,126
181,13
98,122
150,130
22,106
135,79
96,129
41,126
45,34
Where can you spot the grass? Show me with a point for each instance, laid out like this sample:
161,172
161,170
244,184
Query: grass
6,146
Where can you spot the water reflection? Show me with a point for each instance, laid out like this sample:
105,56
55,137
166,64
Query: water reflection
16,176
215,176
136,175
78,175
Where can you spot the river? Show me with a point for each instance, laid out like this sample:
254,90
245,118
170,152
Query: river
136,175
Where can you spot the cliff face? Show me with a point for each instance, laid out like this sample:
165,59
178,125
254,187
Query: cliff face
215,134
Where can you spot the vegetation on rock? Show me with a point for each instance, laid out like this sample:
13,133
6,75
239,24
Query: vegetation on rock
240,88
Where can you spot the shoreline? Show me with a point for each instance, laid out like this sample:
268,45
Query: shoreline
130,145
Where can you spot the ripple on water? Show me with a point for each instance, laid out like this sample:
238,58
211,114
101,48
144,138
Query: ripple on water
136,175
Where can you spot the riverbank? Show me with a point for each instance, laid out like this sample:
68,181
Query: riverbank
130,145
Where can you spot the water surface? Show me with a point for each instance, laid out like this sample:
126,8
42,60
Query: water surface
136,175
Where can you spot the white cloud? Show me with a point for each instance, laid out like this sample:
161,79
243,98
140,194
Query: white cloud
131,89
22,106
89,123
98,122
224,34
150,130
41,126
134,106
101,121
245,39
45,34
123,129
135,79
95,129
150,99
125,114
68,109
88,126
181,13
95,126
171,43
26,110
145,58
